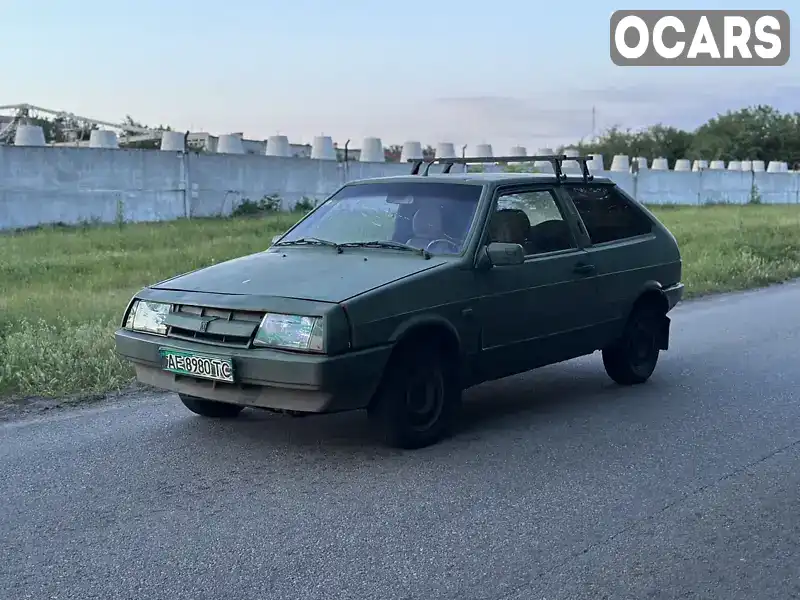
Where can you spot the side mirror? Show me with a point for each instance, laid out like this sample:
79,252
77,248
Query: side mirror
275,238
502,255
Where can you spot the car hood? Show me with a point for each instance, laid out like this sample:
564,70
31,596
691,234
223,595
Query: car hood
308,274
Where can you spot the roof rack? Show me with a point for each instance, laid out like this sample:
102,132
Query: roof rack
556,160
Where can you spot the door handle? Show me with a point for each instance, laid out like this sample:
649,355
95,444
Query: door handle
584,268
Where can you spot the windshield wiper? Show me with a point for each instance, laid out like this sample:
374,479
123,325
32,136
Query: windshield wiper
311,241
388,244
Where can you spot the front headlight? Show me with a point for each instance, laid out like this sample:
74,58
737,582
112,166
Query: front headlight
291,332
148,317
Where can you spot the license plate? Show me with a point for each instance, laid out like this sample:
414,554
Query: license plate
197,365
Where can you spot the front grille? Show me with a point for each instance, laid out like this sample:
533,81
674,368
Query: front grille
217,326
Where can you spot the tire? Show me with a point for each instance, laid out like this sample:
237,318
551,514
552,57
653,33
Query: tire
210,408
633,358
422,374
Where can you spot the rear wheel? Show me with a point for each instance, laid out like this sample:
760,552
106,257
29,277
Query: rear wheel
633,358
419,396
210,408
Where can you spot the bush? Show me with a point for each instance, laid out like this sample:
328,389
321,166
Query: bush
304,205
38,358
267,205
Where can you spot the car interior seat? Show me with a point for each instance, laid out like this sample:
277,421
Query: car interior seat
510,226
426,226
550,235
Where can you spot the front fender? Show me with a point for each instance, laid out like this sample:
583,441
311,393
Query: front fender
424,320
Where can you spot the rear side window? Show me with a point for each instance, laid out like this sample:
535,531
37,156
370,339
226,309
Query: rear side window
607,214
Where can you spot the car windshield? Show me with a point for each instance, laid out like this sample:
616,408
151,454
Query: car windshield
436,216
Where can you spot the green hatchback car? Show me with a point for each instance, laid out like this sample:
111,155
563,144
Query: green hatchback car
396,294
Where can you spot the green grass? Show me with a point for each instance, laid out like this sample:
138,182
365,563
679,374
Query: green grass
729,248
62,290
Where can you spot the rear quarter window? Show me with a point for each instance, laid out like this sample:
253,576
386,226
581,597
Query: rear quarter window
607,214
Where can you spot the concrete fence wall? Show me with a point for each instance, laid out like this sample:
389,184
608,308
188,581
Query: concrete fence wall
709,187
40,185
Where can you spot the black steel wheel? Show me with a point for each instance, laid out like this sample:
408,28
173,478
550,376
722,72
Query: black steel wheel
419,396
633,358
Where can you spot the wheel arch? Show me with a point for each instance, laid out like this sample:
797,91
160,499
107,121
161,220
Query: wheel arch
651,294
417,330
422,326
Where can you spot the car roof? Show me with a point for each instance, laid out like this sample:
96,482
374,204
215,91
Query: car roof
479,178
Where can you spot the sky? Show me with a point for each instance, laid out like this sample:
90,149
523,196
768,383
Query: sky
507,73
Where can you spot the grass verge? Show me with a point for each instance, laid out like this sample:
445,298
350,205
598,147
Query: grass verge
62,290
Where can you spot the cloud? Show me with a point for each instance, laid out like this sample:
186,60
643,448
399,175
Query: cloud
503,116
564,116
546,118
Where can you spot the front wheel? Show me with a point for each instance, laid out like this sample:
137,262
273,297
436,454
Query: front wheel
633,358
210,408
419,397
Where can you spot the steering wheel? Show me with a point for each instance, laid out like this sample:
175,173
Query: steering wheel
453,245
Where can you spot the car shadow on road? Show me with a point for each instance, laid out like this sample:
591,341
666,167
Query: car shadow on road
559,391
519,400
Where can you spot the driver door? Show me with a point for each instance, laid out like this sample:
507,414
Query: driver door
534,313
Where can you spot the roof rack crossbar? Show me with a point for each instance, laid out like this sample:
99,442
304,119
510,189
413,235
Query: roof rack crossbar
555,160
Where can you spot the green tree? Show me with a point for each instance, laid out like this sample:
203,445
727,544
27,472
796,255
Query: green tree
754,133
395,151
654,142
61,129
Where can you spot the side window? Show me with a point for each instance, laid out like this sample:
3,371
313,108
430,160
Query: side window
531,219
608,216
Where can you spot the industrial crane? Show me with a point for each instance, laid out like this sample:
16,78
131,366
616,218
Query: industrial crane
74,123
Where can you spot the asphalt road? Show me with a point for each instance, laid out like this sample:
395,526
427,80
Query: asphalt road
557,485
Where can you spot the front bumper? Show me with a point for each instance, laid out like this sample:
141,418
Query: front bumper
265,378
